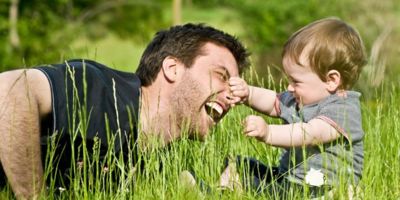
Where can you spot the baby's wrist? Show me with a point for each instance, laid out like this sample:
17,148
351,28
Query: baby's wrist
266,134
247,99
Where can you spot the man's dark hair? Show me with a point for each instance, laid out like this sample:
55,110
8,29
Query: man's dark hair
184,42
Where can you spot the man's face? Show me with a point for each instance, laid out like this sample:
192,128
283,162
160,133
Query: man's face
200,99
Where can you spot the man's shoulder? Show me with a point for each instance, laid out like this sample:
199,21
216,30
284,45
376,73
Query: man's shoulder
85,66
75,63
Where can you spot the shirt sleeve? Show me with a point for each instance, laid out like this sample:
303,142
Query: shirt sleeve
344,114
285,106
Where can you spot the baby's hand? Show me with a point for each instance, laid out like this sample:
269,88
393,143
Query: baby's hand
240,90
255,126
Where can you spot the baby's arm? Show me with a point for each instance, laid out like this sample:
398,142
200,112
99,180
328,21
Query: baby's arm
316,131
260,99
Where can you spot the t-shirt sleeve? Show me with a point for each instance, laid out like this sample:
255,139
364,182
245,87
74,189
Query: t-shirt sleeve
285,106
344,115
56,77
69,81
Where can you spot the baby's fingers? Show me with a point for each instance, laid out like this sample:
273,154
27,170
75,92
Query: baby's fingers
235,81
251,131
249,126
234,100
240,93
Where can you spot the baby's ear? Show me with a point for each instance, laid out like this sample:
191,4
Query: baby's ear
333,80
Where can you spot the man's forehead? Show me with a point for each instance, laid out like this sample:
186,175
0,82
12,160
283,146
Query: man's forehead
221,57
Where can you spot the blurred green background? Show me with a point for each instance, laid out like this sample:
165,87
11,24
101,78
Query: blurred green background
115,32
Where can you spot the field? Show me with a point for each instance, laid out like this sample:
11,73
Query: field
381,123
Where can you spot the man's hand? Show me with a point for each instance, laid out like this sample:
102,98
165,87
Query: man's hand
240,90
255,126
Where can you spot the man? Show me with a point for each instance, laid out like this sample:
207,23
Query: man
180,84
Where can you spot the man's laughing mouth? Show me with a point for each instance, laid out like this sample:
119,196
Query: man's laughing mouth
215,111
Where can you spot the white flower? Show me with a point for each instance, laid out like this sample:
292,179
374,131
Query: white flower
314,177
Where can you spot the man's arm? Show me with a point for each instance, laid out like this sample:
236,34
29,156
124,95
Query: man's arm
25,98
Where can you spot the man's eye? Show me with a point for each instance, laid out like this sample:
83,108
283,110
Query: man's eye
222,76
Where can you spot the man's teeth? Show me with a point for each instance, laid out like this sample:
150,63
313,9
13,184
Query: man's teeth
215,107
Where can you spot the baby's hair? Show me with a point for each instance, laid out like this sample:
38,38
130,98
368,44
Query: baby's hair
333,45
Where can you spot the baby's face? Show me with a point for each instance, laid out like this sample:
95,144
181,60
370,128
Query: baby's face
304,84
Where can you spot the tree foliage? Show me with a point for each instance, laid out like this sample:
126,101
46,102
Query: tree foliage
47,27
268,24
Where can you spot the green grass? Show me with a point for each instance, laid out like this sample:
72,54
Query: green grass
381,122
382,152
112,51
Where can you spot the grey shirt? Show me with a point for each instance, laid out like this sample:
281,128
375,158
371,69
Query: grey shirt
336,160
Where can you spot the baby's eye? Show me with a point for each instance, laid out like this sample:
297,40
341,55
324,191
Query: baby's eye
293,81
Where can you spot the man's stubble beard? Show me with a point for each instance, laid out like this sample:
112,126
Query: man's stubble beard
185,103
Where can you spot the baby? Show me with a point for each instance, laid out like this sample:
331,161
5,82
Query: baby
322,134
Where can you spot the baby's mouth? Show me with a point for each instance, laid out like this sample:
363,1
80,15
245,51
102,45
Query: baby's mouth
214,111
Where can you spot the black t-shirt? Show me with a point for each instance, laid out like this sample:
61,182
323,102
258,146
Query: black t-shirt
90,103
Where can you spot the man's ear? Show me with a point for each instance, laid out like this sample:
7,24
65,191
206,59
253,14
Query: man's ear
333,80
170,67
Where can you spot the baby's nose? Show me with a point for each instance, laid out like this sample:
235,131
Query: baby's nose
290,88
